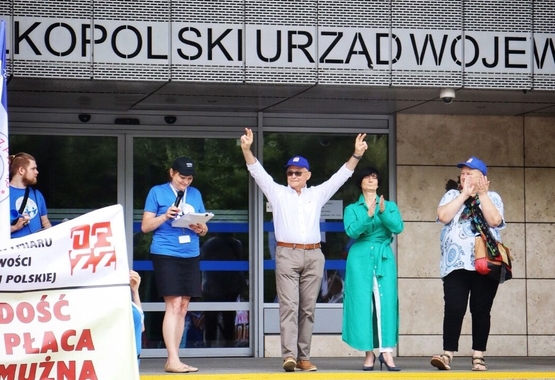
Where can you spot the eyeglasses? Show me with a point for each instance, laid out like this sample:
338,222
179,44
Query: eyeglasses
296,173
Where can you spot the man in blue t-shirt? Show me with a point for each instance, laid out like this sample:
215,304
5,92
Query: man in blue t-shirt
27,205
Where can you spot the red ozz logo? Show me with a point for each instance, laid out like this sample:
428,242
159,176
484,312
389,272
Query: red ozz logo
92,247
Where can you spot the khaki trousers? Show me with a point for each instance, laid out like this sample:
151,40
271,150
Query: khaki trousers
298,280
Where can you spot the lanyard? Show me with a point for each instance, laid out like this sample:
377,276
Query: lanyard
182,203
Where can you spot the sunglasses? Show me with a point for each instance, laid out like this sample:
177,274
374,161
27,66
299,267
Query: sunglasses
296,173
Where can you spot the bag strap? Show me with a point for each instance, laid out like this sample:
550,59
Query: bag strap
480,226
24,203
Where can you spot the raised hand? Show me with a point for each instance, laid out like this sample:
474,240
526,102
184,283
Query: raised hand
134,280
483,185
360,144
467,186
247,139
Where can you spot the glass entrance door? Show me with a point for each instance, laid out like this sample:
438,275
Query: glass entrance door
325,153
217,323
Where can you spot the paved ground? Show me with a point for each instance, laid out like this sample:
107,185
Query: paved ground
350,368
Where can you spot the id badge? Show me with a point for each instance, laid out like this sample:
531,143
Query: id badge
183,239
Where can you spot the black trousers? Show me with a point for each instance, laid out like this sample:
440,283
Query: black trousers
457,287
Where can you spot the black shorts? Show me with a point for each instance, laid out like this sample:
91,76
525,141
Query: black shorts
176,276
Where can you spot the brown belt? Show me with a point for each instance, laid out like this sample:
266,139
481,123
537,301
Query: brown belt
306,247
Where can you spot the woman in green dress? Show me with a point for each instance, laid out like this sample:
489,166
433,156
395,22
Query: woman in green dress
370,305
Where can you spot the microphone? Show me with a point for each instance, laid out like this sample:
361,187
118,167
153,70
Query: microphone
180,194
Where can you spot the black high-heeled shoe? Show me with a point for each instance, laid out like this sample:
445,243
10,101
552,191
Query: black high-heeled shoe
369,368
382,362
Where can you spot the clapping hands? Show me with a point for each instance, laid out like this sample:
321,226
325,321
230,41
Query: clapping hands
372,206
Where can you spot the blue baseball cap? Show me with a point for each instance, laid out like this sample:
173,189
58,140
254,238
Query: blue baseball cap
474,163
299,161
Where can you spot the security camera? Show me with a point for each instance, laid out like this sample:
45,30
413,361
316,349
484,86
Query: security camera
447,95
170,119
84,117
325,140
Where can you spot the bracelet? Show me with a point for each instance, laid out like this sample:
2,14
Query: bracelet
357,157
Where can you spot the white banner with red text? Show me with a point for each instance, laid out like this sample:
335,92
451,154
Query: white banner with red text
65,304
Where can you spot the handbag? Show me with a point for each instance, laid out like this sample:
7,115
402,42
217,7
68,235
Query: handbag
498,267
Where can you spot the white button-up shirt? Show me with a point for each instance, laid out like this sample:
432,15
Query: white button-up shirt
297,216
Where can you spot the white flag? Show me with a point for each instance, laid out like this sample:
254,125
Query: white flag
4,146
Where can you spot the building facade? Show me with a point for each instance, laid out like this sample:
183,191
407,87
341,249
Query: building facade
119,86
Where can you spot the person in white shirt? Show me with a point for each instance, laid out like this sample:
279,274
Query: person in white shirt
299,260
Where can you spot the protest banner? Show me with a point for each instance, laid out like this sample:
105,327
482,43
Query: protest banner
65,304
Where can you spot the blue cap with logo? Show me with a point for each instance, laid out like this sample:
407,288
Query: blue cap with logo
299,161
474,163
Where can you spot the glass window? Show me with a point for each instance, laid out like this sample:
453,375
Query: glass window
325,154
77,174
230,329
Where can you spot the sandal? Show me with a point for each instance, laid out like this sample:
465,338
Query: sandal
478,364
441,362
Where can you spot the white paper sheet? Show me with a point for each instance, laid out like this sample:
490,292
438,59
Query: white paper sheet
192,218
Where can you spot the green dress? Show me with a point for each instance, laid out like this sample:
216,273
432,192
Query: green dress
371,259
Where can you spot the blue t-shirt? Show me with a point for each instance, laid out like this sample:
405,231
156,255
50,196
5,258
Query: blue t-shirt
35,208
166,239
138,320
